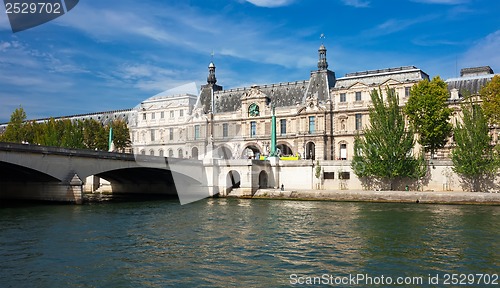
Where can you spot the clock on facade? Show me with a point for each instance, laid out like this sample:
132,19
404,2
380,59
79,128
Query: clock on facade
253,110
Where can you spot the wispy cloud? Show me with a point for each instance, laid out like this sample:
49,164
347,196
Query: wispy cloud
445,2
270,3
396,25
484,52
357,3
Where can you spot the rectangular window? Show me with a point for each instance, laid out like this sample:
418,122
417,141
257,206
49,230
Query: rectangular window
225,130
312,124
283,126
162,114
152,134
342,97
253,129
171,114
144,116
344,175
171,133
196,132
181,113
329,175
343,151
358,96
407,91
359,123
153,116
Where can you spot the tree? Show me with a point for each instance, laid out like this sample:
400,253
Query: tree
429,114
15,131
94,135
490,95
72,135
121,134
473,155
385,151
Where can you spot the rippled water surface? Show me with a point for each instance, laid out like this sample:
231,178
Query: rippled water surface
233,242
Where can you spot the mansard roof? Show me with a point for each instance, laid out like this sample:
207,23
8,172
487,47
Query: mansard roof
377,77
471,80
282,94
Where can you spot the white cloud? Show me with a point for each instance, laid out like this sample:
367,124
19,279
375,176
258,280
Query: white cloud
445,2
484,52
357,3
395,25
270,3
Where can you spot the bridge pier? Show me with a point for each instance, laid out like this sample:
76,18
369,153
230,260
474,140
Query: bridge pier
70,192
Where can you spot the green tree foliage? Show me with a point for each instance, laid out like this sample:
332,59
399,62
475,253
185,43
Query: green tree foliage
15,131
385,151
429,114
84,134
473,156
317,172
95,135
121,134
490,95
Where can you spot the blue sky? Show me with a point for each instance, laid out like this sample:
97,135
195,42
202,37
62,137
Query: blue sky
108,55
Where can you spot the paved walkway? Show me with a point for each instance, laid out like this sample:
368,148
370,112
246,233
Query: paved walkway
383,196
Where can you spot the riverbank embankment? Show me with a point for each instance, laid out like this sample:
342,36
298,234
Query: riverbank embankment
381,196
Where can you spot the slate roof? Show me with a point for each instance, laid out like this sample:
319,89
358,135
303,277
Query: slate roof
282,94
378,77
471,80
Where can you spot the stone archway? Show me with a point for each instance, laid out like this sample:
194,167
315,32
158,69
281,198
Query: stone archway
251,152
233,181
263,179
224,152
284,149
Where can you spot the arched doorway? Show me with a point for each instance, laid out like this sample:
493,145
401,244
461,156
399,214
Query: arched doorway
251,152
233,181
310,150
284,150
263,179
194,153
224,152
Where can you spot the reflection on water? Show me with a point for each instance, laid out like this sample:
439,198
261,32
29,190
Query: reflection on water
229,242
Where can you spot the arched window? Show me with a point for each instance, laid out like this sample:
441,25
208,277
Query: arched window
170,153
179,153
152,152
194,153
161,152
310,150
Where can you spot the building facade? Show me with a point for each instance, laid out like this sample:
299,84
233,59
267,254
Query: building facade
316,118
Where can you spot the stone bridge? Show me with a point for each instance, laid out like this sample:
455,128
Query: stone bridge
35,172
58,174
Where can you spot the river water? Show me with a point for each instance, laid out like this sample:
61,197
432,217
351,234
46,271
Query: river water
247,243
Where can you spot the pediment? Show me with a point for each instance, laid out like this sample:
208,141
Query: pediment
358,85
390,82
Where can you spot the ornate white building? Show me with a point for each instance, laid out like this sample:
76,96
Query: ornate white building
316,118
